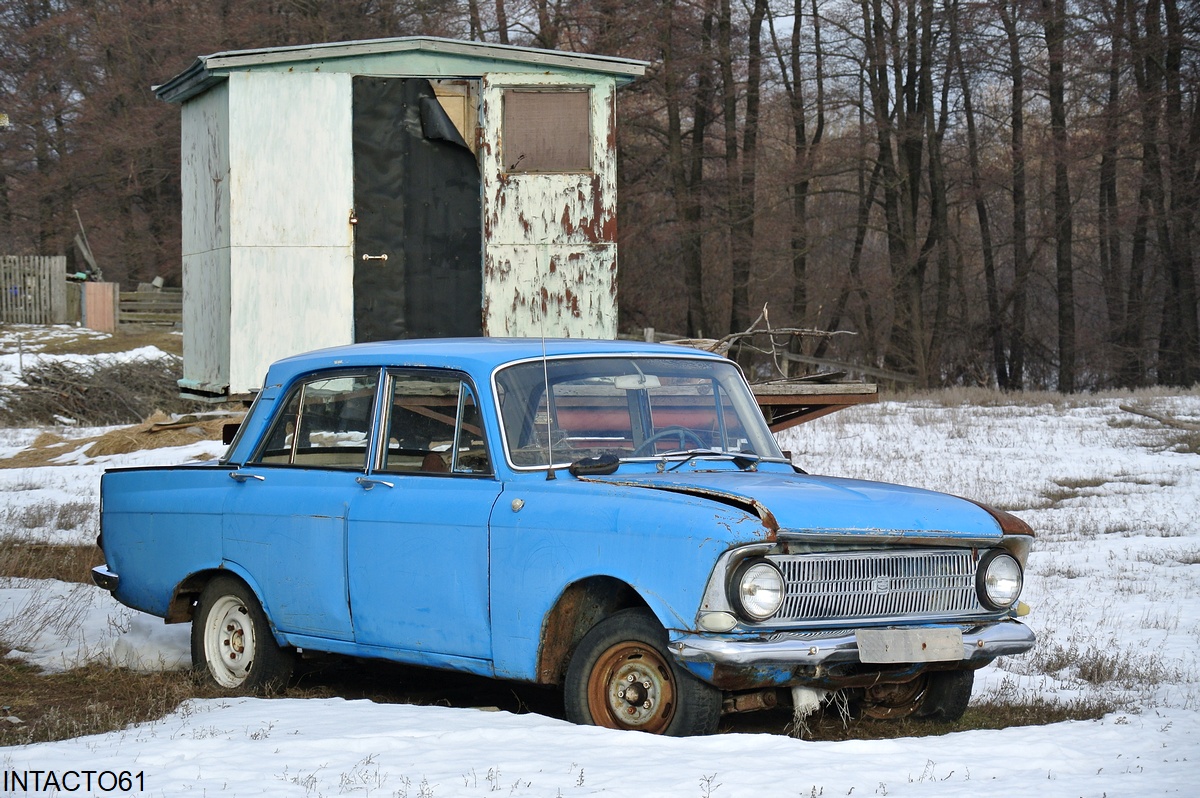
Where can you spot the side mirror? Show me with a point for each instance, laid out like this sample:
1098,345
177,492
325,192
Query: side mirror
229,432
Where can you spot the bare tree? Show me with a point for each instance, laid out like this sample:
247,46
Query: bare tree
1054,20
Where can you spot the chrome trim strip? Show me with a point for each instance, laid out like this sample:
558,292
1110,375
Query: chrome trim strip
105,578
798,649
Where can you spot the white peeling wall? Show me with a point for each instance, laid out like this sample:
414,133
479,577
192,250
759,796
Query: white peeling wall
206,254
550,253
292,270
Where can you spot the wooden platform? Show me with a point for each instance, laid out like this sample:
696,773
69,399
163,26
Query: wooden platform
786,403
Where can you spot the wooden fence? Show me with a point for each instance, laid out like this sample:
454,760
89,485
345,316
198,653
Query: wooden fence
33,289
154,306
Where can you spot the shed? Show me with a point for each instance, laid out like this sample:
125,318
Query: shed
392,188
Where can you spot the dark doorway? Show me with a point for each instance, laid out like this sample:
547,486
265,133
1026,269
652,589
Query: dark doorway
418,240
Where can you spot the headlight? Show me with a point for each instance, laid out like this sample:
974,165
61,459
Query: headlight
757,589
998,580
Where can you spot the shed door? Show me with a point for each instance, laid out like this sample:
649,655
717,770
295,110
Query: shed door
418,240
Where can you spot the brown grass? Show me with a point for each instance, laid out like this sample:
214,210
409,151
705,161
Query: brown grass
24,560
90,700
122,341
156,432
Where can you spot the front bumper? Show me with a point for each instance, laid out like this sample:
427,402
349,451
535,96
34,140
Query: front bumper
105,578
830,660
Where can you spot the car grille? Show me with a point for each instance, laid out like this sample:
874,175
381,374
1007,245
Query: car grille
877,585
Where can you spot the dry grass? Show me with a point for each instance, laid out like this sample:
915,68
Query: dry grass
28,560
90,700
158,431
88,342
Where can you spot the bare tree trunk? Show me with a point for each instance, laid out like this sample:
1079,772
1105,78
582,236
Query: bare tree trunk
501,22
547,34
902,350
1020,209
729,118
1054,15
803,155
745,204
476,32
937,240
1143,68
1182,357
1108,216
995,320
687,169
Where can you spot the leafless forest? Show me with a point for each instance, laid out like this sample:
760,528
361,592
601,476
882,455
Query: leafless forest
1000,192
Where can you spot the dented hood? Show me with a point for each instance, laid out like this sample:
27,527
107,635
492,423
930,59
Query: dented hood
802,504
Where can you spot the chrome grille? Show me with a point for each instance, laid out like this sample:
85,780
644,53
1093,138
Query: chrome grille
840,586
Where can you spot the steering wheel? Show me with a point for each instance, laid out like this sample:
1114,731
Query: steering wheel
683,433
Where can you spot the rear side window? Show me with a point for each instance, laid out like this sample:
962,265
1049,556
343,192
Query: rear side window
325,423
433,425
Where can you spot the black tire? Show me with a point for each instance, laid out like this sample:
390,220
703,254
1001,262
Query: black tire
232,644
621,677
946,695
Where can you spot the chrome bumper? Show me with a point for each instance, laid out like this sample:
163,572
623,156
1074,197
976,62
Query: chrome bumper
806,650
105,578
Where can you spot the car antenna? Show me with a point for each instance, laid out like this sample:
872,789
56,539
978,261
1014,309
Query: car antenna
550,475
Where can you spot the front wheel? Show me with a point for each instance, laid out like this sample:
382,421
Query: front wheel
232,642
947,695
621,677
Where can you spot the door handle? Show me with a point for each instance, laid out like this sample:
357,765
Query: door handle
368,482
374,257
242,476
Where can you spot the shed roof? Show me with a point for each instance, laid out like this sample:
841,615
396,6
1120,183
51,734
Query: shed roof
412,56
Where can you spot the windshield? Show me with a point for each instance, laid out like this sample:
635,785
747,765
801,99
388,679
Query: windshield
627,408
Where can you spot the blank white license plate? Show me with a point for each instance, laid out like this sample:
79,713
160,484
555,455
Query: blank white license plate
909,645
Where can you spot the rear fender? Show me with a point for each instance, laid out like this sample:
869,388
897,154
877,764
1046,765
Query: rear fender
182,608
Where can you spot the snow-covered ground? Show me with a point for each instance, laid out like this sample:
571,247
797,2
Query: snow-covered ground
1114,582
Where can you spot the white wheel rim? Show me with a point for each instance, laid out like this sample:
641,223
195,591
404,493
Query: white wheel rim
229,641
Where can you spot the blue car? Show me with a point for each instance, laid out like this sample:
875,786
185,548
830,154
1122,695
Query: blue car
611,518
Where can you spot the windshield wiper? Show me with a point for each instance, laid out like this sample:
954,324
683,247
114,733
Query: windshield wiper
601,465
742,461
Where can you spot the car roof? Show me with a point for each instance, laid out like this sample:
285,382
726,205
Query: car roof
479,356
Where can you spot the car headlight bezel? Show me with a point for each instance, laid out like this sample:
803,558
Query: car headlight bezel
757,589
999,580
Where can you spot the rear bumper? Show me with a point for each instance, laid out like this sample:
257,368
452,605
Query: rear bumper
829,660
105,578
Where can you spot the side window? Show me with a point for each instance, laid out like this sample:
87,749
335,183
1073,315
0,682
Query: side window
433,426
325,423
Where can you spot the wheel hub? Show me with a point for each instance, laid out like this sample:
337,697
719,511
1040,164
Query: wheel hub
631,688
235,640
229,642
887,701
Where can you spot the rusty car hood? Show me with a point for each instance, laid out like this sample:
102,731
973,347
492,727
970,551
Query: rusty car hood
802,504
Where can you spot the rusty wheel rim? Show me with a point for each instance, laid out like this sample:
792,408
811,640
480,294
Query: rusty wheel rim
888,701
631,687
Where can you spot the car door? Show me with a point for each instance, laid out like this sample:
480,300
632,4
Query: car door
285,522
418,538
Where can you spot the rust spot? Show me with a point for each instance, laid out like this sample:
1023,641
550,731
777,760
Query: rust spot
572,302
580,607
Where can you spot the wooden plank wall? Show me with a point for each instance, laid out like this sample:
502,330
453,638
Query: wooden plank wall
33,289
100,305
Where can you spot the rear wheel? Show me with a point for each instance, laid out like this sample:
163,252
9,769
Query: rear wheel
232,642
621,677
